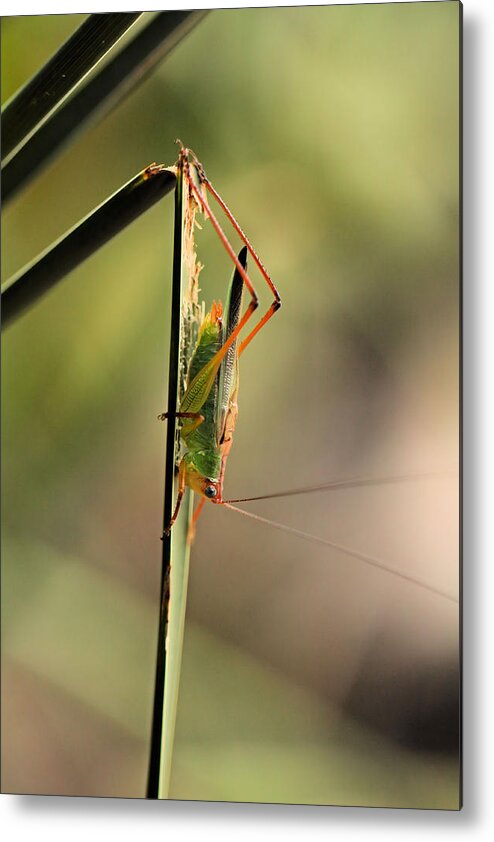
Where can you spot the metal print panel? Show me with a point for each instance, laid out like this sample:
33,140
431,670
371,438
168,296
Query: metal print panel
230,558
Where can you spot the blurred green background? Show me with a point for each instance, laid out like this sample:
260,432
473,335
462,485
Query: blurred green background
332,133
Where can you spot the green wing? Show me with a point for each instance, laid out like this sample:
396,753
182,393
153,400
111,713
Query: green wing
228,373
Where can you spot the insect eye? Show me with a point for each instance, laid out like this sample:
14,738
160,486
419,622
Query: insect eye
210,491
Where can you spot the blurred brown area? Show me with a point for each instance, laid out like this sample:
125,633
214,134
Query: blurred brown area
308,676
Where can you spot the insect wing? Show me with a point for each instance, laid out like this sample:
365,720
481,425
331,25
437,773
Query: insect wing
228,373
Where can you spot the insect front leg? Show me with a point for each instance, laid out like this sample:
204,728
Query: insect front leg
181,489
164,416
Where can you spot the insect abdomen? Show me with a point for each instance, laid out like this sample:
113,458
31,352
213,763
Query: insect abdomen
209,342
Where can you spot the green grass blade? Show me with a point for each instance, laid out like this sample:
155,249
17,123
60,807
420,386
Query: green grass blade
58,77
130,201
179,576
103,91
186,316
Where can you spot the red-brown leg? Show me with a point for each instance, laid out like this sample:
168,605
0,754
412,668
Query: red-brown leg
254,302
197,415
195,517
277,300
181,489
221,234
272,310
243,237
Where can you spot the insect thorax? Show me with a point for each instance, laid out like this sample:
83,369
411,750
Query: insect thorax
207,463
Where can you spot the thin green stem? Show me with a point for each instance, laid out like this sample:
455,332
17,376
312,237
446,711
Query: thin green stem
175,557
173,385
110,85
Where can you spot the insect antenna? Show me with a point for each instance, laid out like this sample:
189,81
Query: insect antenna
353,482
367,559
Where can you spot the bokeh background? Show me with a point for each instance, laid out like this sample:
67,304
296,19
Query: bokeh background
332,132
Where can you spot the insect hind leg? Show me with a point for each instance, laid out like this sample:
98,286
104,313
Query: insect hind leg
277,298
206,208
181,489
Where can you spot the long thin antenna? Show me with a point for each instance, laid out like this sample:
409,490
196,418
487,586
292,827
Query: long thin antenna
354,482
373,562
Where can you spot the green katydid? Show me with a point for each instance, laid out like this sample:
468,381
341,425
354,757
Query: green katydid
211,346
208,409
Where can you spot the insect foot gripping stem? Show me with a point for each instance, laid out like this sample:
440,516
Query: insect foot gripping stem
166,532
181,489
164,416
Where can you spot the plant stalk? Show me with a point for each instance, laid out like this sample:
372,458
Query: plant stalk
101,93
59,76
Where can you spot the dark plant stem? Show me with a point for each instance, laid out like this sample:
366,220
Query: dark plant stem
101,225
113,82
60,75
173,386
